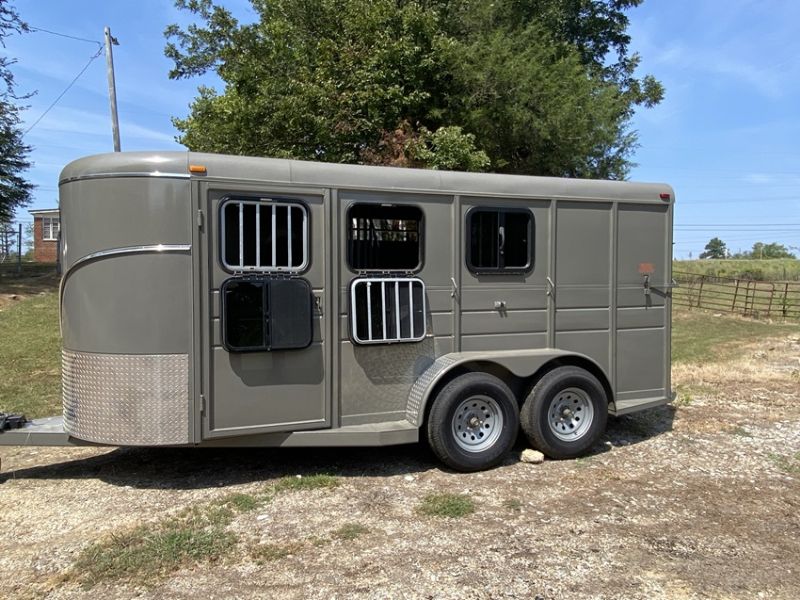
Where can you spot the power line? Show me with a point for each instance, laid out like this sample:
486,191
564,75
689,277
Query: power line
66,89
65,35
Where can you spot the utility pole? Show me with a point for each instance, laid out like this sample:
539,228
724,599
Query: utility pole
112,88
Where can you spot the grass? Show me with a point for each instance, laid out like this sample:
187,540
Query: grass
262,553
30,353
741,431
350,531
683,398
153,550
446,505
197,534
306,482
788,464
699,337
513,504
240,502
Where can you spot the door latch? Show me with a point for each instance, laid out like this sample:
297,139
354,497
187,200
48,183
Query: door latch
551,287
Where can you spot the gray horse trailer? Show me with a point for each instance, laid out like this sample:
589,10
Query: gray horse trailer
212,300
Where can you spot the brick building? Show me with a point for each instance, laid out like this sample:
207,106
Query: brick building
46,225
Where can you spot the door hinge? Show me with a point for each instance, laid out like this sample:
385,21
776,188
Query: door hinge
200,219
202,404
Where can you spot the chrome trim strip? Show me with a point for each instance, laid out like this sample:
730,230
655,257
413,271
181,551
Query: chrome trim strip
156,248
126,174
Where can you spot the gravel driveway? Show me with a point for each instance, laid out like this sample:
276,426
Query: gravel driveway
699,500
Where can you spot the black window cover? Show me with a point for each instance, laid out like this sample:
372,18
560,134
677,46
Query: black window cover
261,314
499,240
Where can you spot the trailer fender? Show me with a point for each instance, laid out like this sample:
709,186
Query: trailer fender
521,363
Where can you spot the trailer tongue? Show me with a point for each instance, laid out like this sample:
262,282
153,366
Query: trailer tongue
16,430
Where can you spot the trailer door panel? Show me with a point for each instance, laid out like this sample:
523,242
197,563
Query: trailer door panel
265,328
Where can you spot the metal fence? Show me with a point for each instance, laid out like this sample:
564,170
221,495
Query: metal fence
11,245
758,299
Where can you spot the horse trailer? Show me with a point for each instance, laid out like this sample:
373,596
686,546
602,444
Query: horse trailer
212,300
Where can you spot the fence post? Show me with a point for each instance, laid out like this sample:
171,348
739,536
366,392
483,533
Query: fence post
735,293
771,294
19,250
785,302
699,292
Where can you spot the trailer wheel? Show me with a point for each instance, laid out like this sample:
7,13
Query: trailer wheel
565,414
473,422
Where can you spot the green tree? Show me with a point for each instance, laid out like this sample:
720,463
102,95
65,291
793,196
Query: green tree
715,248
15,191
773,250
541,87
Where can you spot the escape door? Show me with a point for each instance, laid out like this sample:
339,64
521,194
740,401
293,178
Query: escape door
264,255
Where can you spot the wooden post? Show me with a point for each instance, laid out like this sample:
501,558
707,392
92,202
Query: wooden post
771,294
735,294
699,292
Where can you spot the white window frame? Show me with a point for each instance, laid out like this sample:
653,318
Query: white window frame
271,204
399,283
48,234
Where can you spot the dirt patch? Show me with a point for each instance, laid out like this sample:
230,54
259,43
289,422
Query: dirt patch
13,289
700,500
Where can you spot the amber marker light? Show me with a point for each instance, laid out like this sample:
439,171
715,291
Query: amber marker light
199,169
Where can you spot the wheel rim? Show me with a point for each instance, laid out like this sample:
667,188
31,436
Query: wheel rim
570,414
477,423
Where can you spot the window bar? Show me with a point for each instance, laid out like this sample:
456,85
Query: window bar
397,309
383,307
305,235
411,306
241,235
369,311
258,234
274,237
289,235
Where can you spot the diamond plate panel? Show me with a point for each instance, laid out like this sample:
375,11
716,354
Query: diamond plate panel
126,399
420,386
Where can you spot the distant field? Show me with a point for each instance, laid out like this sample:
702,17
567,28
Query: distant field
778,269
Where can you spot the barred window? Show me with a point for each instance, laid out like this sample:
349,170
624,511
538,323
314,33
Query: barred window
384,237
387,309
264,235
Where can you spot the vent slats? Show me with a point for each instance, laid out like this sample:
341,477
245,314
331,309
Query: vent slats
387,310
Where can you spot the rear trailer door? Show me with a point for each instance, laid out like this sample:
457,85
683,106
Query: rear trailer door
263,325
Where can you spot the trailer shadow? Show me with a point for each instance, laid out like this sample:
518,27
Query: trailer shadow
638,427
200,468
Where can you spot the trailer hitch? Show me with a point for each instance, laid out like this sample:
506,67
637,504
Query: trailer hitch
9,421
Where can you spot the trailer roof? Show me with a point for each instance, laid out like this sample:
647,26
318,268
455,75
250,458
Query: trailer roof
283,171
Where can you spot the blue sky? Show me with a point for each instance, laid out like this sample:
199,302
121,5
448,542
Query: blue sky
725,136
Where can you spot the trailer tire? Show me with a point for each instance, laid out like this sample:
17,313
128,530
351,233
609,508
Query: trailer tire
565,413
473,422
